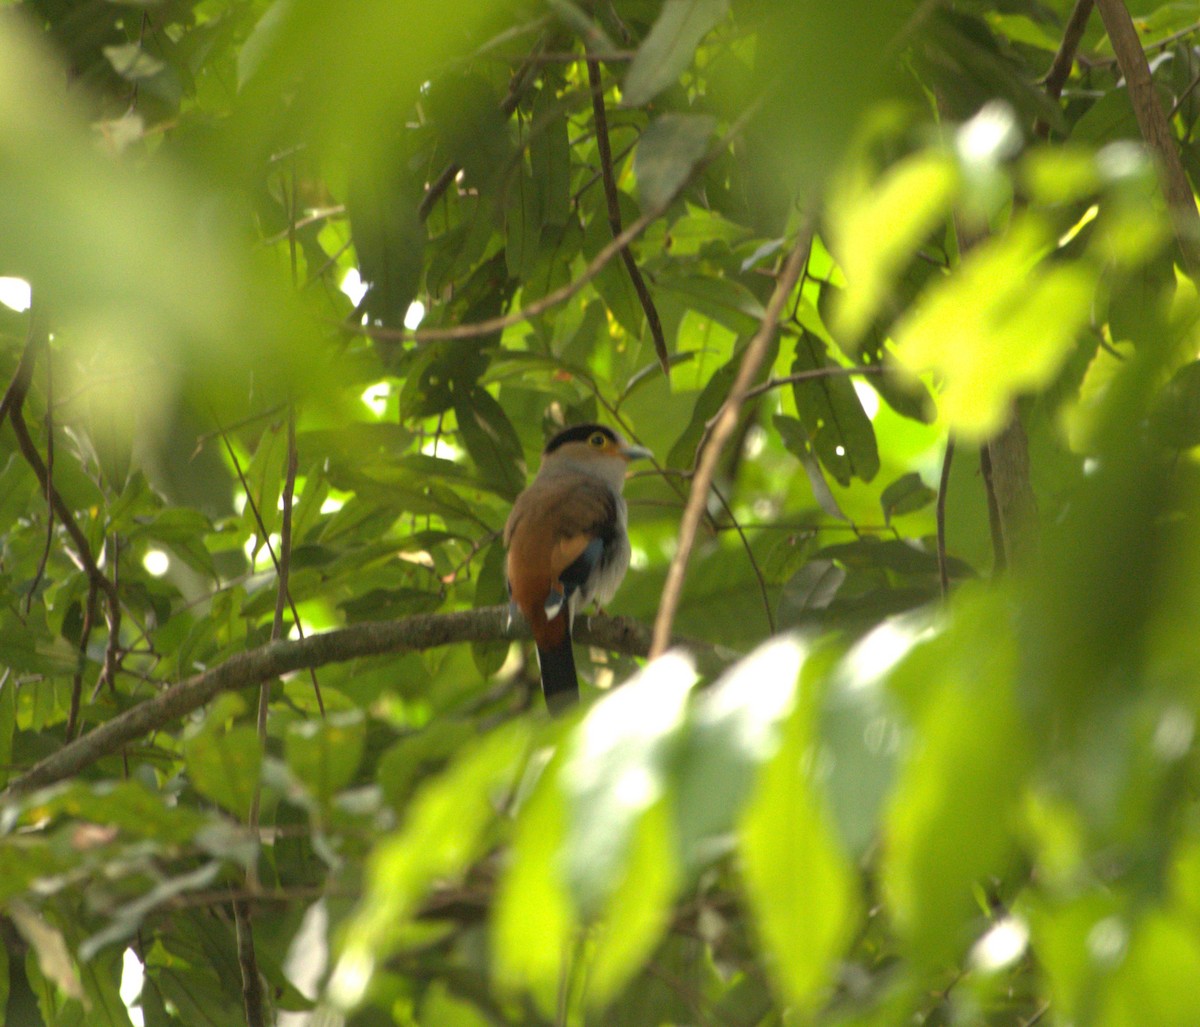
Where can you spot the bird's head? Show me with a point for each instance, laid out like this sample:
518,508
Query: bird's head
594,448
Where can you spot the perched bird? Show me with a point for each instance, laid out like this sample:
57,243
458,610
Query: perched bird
567,544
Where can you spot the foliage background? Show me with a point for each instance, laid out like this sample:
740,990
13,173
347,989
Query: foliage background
935,758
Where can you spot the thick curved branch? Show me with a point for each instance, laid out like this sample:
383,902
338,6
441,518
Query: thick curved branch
1156,131
725,422
374,638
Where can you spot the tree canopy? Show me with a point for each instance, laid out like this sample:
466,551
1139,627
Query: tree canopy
893,719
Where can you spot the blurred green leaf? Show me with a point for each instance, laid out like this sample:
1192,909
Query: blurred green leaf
443,832
616,770
877,227
666,154
801,888
224,766
325,754
906,494
670,47
1002,325
948,822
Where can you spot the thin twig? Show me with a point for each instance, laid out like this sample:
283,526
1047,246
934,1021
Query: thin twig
940,513
832,371
613,202
726,422
266,537
252,991
762,581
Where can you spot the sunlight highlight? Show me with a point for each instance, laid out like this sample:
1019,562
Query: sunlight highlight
414,315
132,977
16,294
353,287
375,398
156,562
1002,946
868,397
882,649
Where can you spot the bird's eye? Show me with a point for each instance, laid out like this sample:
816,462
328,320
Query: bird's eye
598,440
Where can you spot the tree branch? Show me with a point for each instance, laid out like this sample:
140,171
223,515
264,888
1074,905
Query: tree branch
943,491
1156,131
725,423
373,638
612,200
1060,67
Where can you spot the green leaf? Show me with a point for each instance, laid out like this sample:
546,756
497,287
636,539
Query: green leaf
802,890
389,241
132,62
523,226
443,833
492,441
325,754
1176,420
906,494
533,922
1003,323
669,47
733,729
832,414
490,590
666,153
223,765
813,587
550,160
639,908
616,770
877,227
1163,949
947,826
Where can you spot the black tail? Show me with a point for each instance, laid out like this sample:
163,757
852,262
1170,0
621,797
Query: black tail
560,686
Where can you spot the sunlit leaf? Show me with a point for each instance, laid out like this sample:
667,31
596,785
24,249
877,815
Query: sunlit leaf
1002,324
534,921
442,833
616,770
878,226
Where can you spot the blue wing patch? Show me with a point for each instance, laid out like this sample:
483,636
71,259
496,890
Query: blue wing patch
575,577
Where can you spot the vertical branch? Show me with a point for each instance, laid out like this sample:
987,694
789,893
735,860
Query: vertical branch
1060,67
762,581
940,511
1156,131
726,422
252,992
41,568
89,619
612,199
262,529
